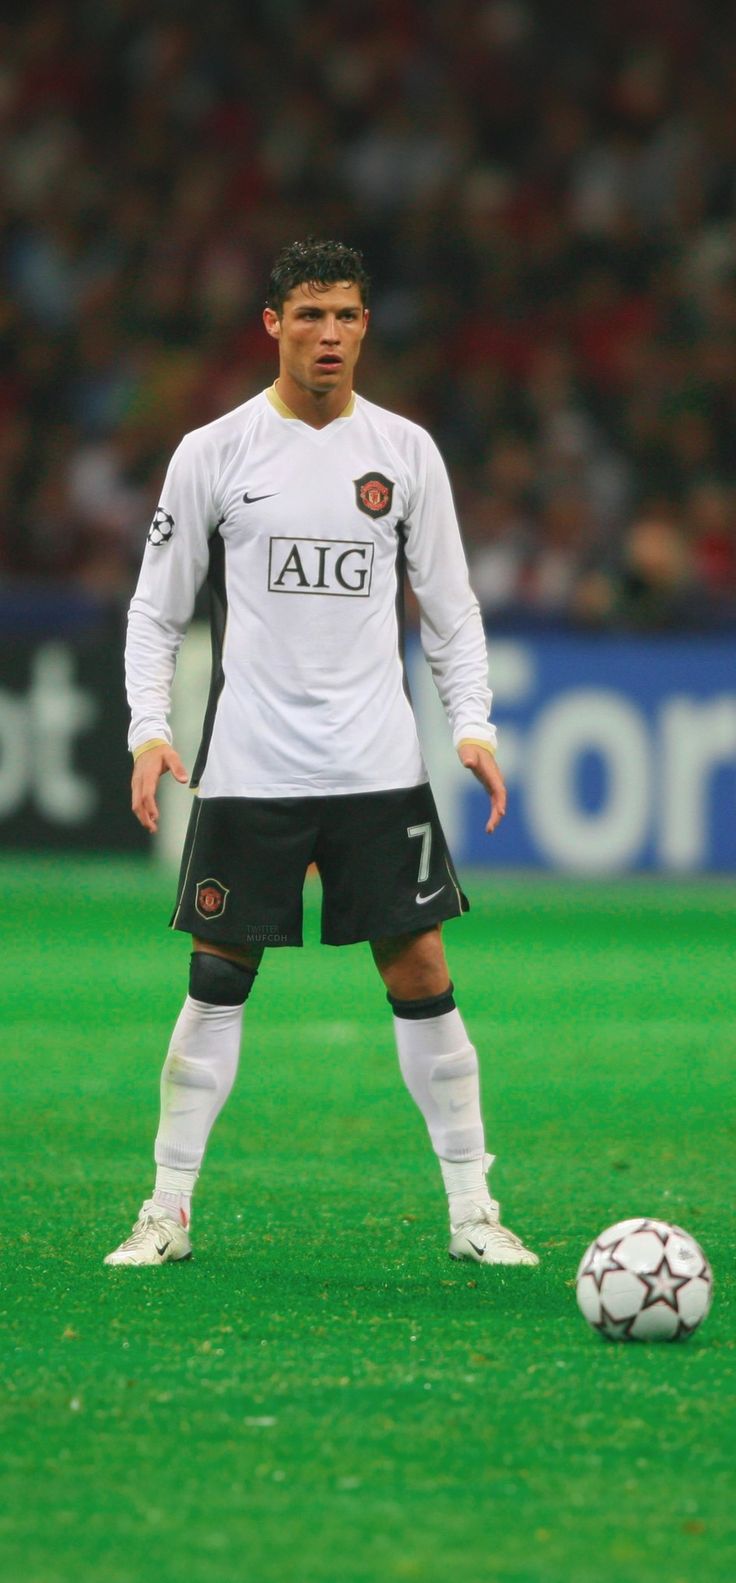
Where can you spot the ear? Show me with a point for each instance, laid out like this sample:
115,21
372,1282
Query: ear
272,322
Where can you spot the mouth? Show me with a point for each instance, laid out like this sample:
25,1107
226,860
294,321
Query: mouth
330,362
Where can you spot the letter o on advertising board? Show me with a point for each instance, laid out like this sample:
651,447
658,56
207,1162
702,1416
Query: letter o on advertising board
588,720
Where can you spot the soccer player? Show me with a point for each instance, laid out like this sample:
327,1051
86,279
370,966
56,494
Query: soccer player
302,509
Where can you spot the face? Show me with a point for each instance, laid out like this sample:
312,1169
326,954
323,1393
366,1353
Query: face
319,334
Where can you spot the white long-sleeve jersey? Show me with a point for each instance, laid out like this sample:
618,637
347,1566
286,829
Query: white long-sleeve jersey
303,535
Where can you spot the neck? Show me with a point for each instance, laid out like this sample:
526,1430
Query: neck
316,408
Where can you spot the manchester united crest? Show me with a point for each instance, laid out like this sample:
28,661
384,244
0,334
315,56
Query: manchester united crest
374,494
210,898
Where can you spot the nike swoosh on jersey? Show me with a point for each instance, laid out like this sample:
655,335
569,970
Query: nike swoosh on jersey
252,500
420,900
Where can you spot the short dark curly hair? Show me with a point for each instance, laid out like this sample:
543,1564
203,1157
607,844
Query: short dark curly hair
319,262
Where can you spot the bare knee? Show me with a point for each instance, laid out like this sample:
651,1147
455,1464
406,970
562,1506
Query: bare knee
412,966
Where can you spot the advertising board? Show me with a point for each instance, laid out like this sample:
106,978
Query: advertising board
64,765
619,755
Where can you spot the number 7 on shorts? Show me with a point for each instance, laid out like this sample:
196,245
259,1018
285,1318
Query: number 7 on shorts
425,831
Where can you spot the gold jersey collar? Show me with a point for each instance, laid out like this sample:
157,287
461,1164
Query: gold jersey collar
280,406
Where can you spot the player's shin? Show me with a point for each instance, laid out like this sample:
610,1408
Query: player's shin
198,1074
440,1068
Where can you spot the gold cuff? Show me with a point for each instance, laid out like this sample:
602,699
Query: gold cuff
475,742
155,742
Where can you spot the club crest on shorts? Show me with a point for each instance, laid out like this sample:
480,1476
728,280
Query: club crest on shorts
374,494
210,898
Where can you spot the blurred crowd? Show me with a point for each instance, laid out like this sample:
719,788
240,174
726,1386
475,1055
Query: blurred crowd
545,193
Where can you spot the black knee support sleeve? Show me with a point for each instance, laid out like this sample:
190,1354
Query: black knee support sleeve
417,1010
218,981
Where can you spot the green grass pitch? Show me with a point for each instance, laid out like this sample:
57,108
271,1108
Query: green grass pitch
321,1396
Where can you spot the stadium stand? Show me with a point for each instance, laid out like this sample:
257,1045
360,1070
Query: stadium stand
545,195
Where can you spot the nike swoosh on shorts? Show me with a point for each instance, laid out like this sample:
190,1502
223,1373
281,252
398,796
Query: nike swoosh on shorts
420,900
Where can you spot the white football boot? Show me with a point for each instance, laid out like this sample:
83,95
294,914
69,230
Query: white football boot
158,1237
480,1236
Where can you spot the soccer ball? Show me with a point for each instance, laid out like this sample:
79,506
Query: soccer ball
644,1280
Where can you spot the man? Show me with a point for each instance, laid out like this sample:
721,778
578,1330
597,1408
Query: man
302,508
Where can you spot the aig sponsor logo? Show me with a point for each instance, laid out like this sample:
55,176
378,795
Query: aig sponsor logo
342,567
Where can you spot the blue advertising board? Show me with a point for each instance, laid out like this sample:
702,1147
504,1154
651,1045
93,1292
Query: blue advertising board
619,755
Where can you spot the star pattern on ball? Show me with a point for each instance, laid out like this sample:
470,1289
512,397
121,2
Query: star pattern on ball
657,1226
662,1285
602,1260
614,1329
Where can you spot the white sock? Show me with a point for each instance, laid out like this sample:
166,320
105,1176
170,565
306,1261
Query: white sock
173,1191
466,1187
198,1074
440,1068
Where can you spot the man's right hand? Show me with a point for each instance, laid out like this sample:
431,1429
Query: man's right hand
147,772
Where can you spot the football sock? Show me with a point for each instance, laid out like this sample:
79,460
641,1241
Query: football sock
173,1192
466,1187
198,1074
440,1068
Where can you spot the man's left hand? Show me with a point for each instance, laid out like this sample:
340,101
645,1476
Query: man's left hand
485,769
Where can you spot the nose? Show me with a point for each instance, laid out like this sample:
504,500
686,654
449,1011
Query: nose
330,332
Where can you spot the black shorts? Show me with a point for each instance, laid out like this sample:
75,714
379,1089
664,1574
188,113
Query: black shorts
382,858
